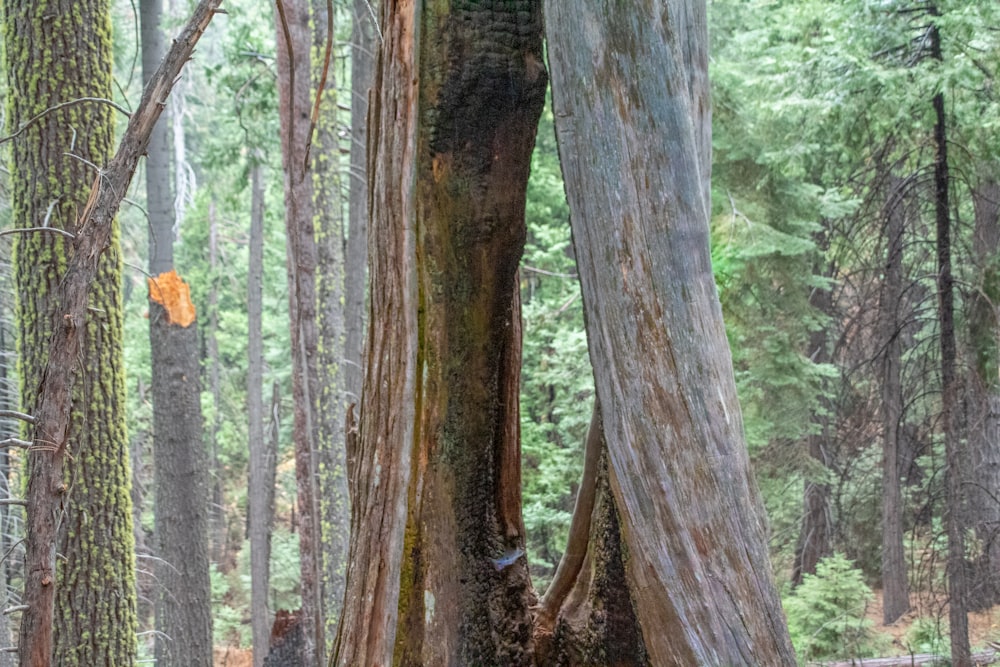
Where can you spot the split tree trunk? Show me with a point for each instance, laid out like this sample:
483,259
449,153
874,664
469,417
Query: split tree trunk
434,575
635,157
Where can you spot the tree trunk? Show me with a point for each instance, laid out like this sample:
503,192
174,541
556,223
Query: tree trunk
895,583
984,398
356,252
8,430
295,103
955,454
435,575
636,164
260,493
83,611
180,484
331,402
78,419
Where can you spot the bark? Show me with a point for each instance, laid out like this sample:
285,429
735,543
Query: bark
331,401
295,105
79,328
356,251
955,454
8,430
635,160
984,399
435,574
260,493
180,480
895,584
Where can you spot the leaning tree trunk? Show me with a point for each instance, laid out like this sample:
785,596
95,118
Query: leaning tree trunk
630,94
180,481
294,86
434,574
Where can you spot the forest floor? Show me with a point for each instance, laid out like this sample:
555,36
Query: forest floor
983,626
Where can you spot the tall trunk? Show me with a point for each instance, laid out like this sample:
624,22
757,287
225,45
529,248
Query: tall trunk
8,430
331,402
895,583
984,398
81,607
180,483
435,575
295,102
260,493
816,535
636,161
356,251
955,454
218,531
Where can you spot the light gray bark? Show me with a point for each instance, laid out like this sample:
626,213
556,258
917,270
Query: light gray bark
632,117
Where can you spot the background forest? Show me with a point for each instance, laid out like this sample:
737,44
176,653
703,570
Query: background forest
844,134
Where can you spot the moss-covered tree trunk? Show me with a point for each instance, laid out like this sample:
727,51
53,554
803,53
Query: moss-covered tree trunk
56,53
435,575
630,95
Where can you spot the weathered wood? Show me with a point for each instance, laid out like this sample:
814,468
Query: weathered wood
985,658
630,96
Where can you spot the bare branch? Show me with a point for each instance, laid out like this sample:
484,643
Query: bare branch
11,414
31,230
55,107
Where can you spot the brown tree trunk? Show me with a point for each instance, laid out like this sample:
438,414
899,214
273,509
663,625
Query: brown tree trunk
895,582
435,575
636,160
295,105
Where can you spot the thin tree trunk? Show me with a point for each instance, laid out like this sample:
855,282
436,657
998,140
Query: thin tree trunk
295,103
180,484
331,402
260,493
955,454
636,161
895,582
218,527
436,575
356,252
984,398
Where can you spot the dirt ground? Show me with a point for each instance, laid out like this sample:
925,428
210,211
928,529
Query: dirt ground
983,626
227,656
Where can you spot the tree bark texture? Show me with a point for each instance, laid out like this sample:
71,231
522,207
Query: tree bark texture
331,401
260,494
71,313
895,582
83,612
295,103
630,96
180,467
435,575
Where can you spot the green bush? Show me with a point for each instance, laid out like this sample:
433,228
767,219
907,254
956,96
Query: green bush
826,613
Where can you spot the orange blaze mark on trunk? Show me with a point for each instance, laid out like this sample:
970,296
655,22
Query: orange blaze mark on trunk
170,291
